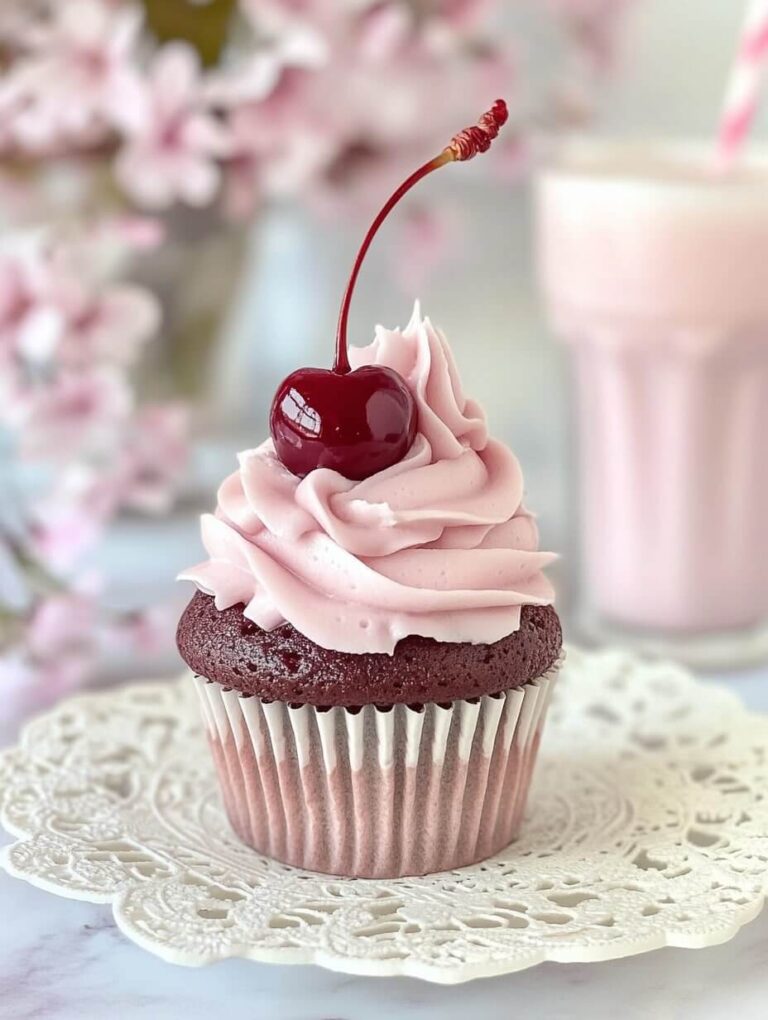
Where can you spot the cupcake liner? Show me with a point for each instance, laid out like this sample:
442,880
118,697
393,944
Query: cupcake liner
374,792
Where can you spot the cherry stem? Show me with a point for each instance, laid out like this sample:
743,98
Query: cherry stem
341,364
463,146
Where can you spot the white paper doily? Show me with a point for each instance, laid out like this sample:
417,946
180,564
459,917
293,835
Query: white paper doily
648,826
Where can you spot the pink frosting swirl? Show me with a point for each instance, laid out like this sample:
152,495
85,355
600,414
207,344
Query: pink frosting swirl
438,545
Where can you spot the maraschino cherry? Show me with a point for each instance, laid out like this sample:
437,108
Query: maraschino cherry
361,422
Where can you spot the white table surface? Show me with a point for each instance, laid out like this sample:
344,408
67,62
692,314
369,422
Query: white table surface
65,960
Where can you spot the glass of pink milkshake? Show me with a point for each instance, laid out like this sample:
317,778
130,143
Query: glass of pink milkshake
655,271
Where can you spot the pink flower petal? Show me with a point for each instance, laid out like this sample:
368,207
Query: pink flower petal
175,78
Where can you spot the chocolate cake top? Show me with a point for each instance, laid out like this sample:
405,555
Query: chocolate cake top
283,665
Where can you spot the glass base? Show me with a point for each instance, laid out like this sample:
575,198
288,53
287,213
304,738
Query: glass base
713,650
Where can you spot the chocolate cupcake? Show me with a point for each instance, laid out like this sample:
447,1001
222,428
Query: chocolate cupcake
374,658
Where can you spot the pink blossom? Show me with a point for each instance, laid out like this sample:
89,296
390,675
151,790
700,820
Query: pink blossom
172,144
278,139
109,324
29,686
79,413
30,327
54,659
278,146
61,625
61,532
77,74
255,77
143,472
383,31
46,297
154,458
276,18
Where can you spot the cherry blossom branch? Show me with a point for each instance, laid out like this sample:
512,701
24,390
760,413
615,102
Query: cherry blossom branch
134,82
69,338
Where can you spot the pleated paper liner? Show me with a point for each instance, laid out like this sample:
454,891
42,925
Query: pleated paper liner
376,793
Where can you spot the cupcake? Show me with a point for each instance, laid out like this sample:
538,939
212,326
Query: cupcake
373,643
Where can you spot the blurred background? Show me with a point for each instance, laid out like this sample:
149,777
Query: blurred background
183,186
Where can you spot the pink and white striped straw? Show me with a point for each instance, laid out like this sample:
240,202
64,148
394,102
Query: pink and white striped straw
743,95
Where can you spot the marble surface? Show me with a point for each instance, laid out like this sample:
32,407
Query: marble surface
65,960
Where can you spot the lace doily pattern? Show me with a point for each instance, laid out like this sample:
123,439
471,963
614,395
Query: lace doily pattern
648,826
